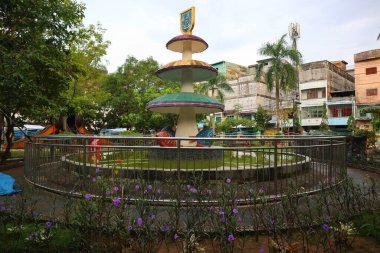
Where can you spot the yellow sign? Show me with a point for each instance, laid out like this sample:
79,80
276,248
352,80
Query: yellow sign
187,20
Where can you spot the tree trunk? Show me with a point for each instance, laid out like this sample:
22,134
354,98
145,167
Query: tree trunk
8,136
277,106
1,128
213,115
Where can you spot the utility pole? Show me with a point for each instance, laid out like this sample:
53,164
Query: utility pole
295,34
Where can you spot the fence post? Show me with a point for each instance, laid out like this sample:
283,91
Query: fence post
179,159
275,166
331,160
84,156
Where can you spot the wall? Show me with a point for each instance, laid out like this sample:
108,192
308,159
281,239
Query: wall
364,82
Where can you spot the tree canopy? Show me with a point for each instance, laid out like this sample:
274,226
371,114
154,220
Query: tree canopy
132,86
281,72
35,38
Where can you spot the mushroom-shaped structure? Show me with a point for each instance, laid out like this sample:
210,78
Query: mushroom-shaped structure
186,71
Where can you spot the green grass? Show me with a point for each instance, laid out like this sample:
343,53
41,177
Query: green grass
15,238
230,159
17,153
368,224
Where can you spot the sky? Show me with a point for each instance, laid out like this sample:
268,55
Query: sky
236,29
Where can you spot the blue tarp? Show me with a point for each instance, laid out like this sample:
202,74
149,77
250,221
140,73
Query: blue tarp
7,184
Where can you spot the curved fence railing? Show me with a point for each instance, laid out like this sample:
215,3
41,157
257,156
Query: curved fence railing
133,166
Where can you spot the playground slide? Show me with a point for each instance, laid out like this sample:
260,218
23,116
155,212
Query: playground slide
19,144
82,130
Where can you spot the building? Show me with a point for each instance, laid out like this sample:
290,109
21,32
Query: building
326,86
230,70
247,93
367,85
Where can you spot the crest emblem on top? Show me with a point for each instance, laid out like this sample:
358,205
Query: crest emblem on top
187,20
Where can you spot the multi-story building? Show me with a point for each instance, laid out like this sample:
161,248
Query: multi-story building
326,87
323,86
367,85
247,93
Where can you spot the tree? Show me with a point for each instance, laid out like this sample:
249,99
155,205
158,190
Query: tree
280,75
35,37
325,121
262,119
131,88
228,124
351,124
85,96
218,85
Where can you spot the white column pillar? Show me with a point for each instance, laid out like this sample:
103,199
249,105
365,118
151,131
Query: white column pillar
186,125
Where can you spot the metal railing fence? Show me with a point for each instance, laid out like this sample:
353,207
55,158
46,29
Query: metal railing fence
268,165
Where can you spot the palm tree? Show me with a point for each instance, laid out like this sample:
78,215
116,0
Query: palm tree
280,74
218,85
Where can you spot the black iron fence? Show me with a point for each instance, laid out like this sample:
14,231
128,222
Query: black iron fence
133,166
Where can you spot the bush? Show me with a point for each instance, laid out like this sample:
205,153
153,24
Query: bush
368,224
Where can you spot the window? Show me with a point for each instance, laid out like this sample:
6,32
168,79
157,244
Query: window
313,93
371,71
341,111
371,92
312,112
218,119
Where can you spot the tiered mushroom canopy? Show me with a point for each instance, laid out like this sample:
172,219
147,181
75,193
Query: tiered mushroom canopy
186,103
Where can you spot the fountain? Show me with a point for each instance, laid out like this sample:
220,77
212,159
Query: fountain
187,71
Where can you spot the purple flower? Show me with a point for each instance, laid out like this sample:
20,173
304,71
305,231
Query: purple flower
221,212
332,180
164,228
193,190
152,216
235,211
228,180
137,187
188,186
93,179
2,208
139,221
231,238
108,193
32,236
150,187
129,227
158,191
116,202
223,220
262,250
326,227
88,196
116,189
208,191
49,224
145,191
239,219
175,236
97,170
261,190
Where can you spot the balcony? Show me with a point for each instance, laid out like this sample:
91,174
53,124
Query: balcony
338,121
